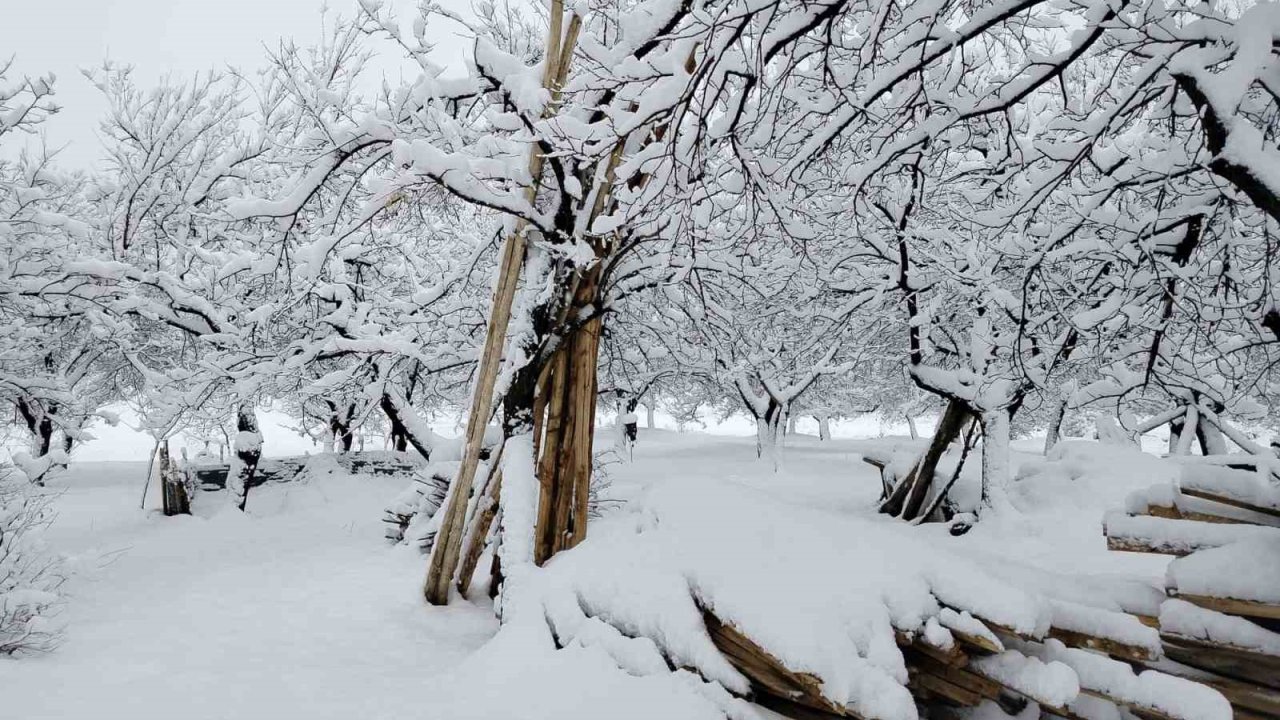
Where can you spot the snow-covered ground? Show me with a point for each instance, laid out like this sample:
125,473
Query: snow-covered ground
301,610
298,610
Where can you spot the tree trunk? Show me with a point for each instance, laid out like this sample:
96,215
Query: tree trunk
824,426
1212,441
340,426
173,490
448,547
620,429
791,424
244,461
39,421
1054,432
911,492
648,415
1175,431
911,427
401,434
769,430
1188,433
565,454
995,455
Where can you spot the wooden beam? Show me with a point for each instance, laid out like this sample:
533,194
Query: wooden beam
941,687
1240,664
1144,545
770,678
1173,513
1114,648
1232,606
1145,712
1228,500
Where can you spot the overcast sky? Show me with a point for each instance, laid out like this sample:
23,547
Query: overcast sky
158,37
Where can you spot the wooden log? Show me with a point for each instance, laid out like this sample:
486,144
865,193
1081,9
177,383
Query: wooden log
1232,606
953,656
794,710
771,678
1143,711
1228,500
479,530
1143,545
586,354
1235,663
1110,646
1173,513
1248,699
975,643
959,676
941,687
553,500
446,553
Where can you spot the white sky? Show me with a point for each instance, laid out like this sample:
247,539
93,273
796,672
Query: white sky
181,37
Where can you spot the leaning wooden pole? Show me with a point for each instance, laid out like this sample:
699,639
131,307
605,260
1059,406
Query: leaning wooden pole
448,546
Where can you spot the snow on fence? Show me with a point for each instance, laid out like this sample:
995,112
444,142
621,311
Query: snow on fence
875,622
1221,622
288,469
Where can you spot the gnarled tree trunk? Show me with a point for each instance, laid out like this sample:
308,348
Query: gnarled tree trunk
909,495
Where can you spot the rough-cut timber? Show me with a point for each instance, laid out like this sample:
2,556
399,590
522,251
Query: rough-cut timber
1247,678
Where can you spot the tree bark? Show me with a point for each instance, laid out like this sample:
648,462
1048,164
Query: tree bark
910,493
401,435
911,427
448,547
248,451
173,490
565,454
1175,431
648,415
995,455
1054,433
340,425
39,421
768,428
824,426
1212,441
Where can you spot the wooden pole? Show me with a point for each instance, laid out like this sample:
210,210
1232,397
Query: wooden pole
445,554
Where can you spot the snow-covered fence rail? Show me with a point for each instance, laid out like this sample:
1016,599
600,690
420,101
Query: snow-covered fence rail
1221,622
288,469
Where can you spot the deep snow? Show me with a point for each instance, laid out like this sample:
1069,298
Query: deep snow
300,609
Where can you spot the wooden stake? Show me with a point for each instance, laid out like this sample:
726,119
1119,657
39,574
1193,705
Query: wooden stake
445,554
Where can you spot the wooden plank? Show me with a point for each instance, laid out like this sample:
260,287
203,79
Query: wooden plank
796,711
768,674
1251,667
446,553
1141,545
1254,700
1109,646
1233,502
940,686
954,655
479,530
1173,513
1232,606
962,677
1248,700
1143,711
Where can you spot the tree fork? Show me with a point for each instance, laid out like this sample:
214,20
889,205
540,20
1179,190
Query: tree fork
910,493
